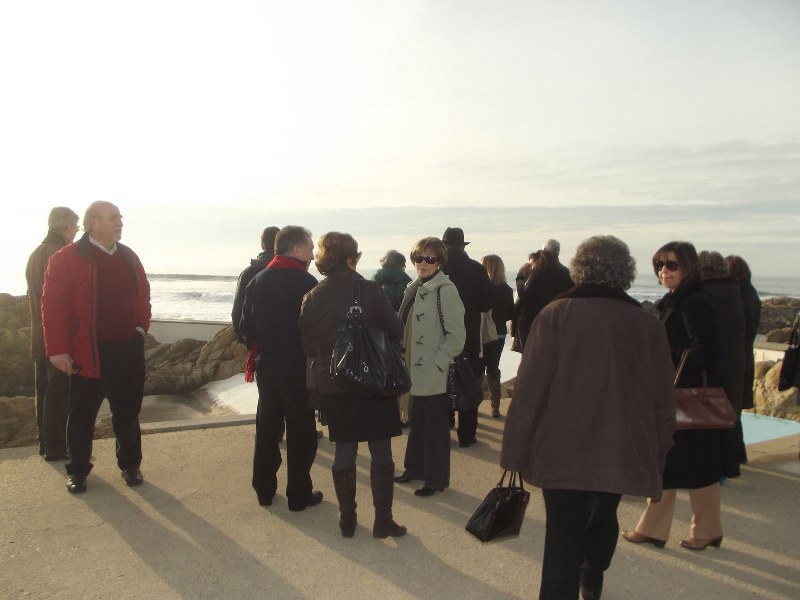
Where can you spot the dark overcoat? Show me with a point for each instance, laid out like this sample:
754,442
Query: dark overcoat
593,407
699,457
351,417
752,315
542,286
475,290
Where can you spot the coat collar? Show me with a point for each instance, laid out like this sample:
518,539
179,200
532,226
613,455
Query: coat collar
591,290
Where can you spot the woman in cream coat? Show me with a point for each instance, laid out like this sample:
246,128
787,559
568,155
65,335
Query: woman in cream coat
434,334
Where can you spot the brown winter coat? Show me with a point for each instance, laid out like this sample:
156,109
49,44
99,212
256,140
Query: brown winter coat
593,405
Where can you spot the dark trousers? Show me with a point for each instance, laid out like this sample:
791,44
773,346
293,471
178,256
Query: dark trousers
279,399
491,356
581,535
428,448
122,382
468,419
52,403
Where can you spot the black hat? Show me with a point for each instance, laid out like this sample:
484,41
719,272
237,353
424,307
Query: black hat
454,236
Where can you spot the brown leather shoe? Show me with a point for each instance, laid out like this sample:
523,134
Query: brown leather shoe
696,544
639,538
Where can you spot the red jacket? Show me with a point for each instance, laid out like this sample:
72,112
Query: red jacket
69,303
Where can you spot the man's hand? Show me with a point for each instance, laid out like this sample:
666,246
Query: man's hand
62,362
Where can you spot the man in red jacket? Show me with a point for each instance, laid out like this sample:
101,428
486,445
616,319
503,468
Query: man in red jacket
95,313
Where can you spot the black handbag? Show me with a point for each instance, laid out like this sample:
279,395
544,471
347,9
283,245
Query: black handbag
502,511
463,388
363,360
790,371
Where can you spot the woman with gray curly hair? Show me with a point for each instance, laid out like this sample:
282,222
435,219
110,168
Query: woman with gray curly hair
592,415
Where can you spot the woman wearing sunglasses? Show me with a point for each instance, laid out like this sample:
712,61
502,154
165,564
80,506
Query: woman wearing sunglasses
700,458
434,334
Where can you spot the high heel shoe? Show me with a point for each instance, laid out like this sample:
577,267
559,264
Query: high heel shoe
695,544
640,538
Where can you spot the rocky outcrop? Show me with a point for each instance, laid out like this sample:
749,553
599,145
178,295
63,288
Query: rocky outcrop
766,397
778,313
179,368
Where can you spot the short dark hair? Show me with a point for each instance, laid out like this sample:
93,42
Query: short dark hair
738,268
393,260
268,239
686,255
335,251
433,245
289,237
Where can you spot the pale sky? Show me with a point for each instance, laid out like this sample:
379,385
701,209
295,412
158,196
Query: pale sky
516,120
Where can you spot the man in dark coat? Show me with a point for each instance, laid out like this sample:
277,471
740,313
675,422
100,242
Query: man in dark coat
477,293
270,328
52,386
259,263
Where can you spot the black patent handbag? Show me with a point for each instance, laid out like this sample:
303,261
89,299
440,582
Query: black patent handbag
463,387
364,360
502,511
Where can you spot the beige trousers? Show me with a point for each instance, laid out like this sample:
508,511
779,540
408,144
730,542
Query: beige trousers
656,520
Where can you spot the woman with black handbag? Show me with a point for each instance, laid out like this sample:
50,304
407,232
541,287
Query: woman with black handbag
591,416
352,417
432,344
700,458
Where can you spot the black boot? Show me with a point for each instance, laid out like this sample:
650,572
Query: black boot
381,477
344,481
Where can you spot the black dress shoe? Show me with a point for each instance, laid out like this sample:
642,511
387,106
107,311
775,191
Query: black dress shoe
404,478
314,499
51,456
264,500
76,484
591,584
132,476
468,443
427,491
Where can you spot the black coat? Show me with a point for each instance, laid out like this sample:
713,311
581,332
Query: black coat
752,315
542,286
502,307
269,317
476,292
245,277
699,457
351,417
723,295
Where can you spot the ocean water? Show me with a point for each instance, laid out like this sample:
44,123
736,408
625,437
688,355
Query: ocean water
210,297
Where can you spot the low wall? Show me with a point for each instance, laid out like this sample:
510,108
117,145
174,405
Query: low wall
169,332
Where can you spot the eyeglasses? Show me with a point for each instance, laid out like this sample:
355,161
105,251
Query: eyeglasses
431,260
672,265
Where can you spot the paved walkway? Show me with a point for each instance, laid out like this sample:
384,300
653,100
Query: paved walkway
194,530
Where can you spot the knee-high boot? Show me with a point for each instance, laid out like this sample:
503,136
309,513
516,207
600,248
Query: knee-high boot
381,478
344,481
494,394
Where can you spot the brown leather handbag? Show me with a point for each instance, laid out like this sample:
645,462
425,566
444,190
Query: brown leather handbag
701,408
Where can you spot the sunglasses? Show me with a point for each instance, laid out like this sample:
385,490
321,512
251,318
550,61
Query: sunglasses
431,260
672,265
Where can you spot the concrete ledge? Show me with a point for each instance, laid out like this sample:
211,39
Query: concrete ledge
198,423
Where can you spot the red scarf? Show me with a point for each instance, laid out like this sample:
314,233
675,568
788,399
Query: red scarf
279,262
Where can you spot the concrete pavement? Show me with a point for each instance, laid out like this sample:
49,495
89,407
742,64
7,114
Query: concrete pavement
194,530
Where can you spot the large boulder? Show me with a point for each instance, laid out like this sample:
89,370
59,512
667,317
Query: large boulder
778,313
766,397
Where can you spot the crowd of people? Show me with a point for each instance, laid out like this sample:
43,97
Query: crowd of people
592,416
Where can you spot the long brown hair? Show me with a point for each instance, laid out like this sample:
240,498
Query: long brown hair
494,268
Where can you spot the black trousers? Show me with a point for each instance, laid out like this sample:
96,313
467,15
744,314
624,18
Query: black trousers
468,419
279,399
428,448
122,382
581,535
52,403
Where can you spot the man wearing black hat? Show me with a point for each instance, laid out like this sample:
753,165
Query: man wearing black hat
475,289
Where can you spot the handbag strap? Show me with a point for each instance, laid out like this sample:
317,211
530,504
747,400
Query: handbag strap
355,310
512,482
439,308
682,364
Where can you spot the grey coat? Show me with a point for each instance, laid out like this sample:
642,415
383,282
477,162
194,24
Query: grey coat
431,351
594,405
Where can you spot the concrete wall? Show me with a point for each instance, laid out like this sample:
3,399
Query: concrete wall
170,332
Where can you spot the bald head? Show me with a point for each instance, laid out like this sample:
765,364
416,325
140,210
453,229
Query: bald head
103,222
